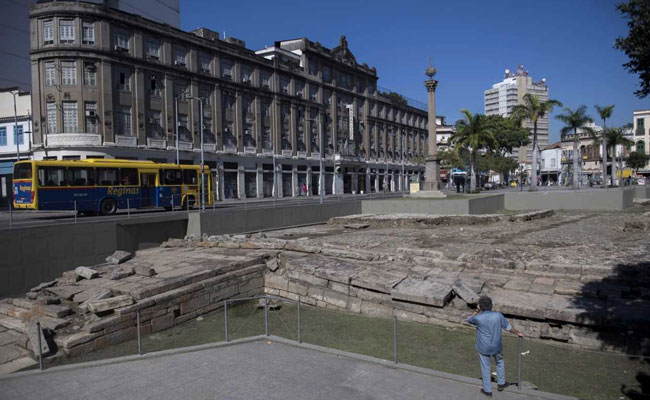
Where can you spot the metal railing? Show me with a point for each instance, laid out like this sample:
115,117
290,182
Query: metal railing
264,302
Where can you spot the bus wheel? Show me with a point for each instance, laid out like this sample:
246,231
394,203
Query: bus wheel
108,207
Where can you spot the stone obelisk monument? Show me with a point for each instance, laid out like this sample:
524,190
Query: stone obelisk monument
431,186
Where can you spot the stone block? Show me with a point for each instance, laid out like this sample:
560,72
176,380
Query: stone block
161,323
520,304
410,317
335,298
68,277
276,281
33,335
119,273
315,293
555,332
118,257
463,291
111,303
546,289
120,336
376,310
44,285
144,269
346,253
310,279
579,310
354,304
422,291
273,264
252,284
520,284
76,339
339,287
86,273
379,280
544,281
307,300
194,303
303,248
369,295
297,287
65,292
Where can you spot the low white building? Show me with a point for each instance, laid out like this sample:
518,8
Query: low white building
15,135
551,164
641,130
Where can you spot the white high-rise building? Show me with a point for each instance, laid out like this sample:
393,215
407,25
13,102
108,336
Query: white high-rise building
503,96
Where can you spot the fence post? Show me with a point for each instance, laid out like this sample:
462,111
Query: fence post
40,345
519,341
187,201
395,339
11,216
137,314
225,313
266,315
299,324
75,211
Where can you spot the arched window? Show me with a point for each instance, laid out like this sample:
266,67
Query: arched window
640,147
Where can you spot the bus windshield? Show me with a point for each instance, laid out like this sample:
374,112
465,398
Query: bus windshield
23,171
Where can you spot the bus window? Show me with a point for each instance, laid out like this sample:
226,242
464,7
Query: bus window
52,176
189,177
173,177
107,177
82,176
22,171
129,176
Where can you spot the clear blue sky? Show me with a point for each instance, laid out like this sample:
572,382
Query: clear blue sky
568,42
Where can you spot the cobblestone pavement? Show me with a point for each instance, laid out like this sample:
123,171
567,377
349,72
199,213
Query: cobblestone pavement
256,370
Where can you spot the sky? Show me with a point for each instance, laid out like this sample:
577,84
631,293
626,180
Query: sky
471,43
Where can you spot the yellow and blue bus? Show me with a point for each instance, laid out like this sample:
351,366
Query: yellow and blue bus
106,185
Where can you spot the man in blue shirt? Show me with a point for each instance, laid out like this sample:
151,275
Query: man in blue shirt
488,342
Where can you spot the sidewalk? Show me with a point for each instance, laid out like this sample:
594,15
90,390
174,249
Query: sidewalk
250,369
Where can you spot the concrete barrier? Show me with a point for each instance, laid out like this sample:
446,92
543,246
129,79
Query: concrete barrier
468,205
32,255
259,219
642,192
613,199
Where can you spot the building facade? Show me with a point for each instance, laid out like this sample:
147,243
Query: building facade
503,96
641,128
15,135
115,85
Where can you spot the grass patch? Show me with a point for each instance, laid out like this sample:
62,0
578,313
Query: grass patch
557,369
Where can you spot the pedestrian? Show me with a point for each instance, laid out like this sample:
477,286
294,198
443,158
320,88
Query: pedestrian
304,188
488,342
457,182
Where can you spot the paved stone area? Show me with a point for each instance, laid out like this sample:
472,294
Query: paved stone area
256,370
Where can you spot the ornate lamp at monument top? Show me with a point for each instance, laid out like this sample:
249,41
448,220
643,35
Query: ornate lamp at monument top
432,168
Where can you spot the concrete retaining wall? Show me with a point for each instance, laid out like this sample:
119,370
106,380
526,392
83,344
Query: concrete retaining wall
477,205
617,199
32,255
642,192
259,219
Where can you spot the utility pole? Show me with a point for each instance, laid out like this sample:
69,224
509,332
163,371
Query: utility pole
176,127
202,150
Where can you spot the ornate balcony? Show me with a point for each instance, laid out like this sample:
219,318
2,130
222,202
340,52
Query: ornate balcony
185,146
156,143
126,141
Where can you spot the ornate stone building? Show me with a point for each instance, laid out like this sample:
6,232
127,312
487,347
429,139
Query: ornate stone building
112,84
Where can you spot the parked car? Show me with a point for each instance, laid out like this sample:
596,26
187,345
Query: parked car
488,186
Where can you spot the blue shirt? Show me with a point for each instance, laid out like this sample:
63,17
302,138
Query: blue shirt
488,331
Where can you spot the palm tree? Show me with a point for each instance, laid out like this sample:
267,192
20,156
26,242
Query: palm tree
605,112
572,121
473,132
533,110
615,137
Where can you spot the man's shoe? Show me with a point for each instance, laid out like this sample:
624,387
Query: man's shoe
488,394
500,388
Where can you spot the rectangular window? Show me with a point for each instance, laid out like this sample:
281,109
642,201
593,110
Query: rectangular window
172,176
81,176
68,73
205,62
48,32
107,177
90,74
155,125
152,49
313,92
205,93
179,56
190,177
123,121
180,89
88,33
51,117
327,97
313,67
18,134
300,88
70,124
128,176
640,126
327,74
155,85
124,81
3,136
265,77
66,31
121,41
284,84
91,117
50,74
52,176
226,68
247,74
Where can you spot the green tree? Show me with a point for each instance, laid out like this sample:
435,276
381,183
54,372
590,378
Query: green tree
604,112
574,119
637,43
533,110
508,133
636,161
473,133
615,137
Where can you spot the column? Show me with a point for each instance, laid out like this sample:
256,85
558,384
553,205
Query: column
432,171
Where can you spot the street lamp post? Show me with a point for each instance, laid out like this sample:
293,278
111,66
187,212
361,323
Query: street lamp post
401,146
19,93
202,151
176,127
